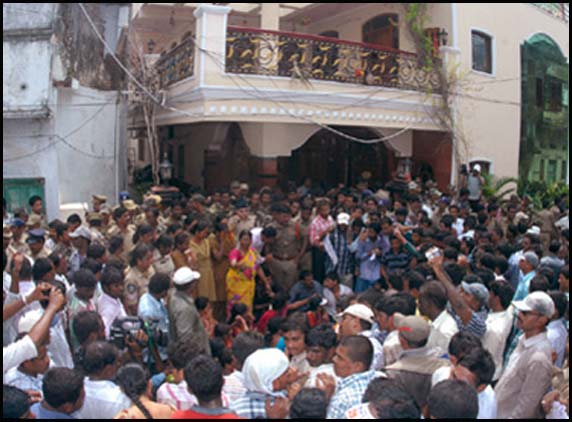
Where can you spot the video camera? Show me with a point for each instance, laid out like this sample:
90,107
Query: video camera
127,327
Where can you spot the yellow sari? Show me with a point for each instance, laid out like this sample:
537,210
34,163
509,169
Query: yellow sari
240,284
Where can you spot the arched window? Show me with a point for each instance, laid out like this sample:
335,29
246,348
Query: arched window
382,30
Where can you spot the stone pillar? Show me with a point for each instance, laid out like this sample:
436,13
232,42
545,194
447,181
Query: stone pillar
211,37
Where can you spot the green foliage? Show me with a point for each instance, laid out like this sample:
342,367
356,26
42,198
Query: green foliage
498,188
416,19
541,192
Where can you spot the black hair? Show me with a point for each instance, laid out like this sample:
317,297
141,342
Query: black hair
333,276
110,276
95,251
359,349
370,297
42,267
204,378
92,265
451,253
485,275
245,233
98,355
501,263
15,402
115,243
164,241
539,283
480,362
294,323
138,253
159,283
392,304
403,212
322,336
236,310
84,324
61,386
119,212
279,301
246,344
133,380
560,302
181,352
201,303
273,327
503,290
462,343
416,280
172,229
455,273
33,200
222,329
309,403
376,227
447,220
74,219
199,227
393,402
115,263
141,231
436,293
396,281
84,278
60,228
269,232
554,246
25,272
453,399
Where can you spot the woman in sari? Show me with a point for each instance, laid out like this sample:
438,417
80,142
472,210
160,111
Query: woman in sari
222,242
201,248
240,279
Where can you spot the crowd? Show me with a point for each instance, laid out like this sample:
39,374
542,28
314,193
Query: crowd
349,303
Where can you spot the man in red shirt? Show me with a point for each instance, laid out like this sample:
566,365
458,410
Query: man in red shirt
204,379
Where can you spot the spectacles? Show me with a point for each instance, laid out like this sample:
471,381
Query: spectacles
527,313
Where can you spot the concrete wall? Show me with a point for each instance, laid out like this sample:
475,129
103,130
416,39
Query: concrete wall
491,121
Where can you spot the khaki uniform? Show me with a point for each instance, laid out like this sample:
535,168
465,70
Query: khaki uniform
306,260
128,244
237,225
20,246
264,217
98,237
286,248
44,253
547,229
136,284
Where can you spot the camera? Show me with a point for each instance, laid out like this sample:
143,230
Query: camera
128,327
432,253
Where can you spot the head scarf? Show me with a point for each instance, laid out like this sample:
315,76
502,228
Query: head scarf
261,368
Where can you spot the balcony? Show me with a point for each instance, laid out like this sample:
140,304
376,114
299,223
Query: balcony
252,51
302,56
558,10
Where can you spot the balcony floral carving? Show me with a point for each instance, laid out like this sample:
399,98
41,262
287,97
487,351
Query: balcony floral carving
301,56
176,64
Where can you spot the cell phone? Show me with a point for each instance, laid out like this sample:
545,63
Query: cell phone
433,253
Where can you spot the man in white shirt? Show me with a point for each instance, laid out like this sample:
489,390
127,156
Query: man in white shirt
432,304
499,322
320,348
477,369
243,346
109,304
557,330
333,292
29,374
103,398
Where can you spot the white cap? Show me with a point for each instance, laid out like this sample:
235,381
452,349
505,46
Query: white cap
537,302
343,218
360,311
534,231
28,320
477,167
184,276
81,231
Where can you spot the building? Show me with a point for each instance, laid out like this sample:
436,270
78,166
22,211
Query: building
64,116
269,93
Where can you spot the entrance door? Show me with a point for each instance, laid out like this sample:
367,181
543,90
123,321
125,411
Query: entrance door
382,30
17,192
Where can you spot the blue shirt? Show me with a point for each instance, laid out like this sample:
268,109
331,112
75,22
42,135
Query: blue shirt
523,285
369,269
42,413
349,393
301,292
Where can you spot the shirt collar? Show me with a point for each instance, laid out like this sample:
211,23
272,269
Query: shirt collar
533,341
354,378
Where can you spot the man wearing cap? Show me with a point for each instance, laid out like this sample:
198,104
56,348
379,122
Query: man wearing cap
18,238
81,239
528,265
467,305
339,261
243,220
475,182
97,202
417,363
36,242
529,370
185,321
357,320
286,250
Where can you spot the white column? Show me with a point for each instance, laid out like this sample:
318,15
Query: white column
211,39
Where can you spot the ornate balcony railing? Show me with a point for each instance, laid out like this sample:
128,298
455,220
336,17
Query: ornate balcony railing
274,53
176,64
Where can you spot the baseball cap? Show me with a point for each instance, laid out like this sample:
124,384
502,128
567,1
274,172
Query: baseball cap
477,167
360,311
531,258
412,328
538,302
344,218
184,276
81,231
534,231
477,290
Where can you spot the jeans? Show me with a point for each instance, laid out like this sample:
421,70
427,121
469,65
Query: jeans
362,284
